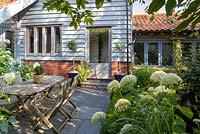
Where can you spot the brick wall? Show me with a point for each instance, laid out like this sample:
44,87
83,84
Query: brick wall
4,3
63,67
60,68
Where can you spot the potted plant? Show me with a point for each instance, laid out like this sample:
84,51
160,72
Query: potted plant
38,71
118,76
72,45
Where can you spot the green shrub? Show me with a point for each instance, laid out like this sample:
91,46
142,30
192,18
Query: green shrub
84,70
6,60
143,74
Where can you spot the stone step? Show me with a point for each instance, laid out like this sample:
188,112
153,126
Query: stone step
95,84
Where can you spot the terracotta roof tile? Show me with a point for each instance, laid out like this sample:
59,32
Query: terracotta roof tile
142,22
4,3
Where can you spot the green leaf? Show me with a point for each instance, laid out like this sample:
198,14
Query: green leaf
4,126
186,111
99,3
155,6
170,5
12,120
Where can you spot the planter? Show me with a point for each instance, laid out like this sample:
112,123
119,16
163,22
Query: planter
37,78
118,77
72,75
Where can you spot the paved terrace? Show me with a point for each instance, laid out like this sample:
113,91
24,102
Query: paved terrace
89,102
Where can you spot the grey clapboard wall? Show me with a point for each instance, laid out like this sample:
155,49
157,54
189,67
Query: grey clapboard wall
111,14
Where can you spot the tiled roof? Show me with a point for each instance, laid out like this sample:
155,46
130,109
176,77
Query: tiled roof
4,3
142,22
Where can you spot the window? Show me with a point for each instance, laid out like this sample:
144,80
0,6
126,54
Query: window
139,53
167,54
43,41
153,54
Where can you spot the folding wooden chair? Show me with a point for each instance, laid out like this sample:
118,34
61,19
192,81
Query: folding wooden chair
68,98
46,110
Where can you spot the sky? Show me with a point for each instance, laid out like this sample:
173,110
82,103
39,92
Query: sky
140,8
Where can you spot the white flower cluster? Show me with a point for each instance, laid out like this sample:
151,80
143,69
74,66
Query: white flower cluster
5,41
113,86
171,79
158,89
98,116
122,105
9,78
128,80
157,76
147,99
125,128
36,64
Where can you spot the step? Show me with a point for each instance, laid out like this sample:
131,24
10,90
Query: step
95,84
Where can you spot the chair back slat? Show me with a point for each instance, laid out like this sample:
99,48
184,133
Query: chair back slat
75,81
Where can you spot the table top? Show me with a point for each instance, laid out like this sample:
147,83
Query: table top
29,88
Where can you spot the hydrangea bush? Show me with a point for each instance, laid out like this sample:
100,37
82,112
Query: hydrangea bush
145,111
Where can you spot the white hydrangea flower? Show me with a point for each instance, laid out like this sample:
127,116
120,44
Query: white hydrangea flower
157,76
6,41
125,128
150,89
122,105
113,86
9,78
160,88
128,80
98,116
196,120
171,79
36,64
148,99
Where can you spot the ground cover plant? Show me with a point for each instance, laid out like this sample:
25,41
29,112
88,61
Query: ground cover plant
135,109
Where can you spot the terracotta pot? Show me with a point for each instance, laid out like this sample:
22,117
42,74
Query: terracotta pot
37,78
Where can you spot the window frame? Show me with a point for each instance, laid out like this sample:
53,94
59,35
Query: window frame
44,41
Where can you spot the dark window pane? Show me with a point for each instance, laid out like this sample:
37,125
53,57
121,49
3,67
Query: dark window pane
57,40
48,45
39,40
187,53
139,53
167,54
153,54
99,45
31,40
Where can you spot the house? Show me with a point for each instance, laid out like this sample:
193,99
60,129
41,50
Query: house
41,36
153,41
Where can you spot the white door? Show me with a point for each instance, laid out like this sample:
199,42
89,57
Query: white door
99,52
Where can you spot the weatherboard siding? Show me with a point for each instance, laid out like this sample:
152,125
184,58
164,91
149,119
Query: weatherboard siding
111,14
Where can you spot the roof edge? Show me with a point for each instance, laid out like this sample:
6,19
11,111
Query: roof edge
11,10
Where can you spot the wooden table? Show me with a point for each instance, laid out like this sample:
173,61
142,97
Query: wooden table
29,90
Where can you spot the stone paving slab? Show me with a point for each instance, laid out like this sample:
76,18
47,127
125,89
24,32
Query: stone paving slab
89,102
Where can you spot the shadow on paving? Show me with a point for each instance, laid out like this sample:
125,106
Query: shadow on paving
89,102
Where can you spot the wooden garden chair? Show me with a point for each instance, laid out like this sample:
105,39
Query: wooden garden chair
47,109
68,98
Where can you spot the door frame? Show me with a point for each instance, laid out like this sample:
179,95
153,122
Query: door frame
87,44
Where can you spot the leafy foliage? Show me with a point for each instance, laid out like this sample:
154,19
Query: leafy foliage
77,13
150,112
189,10
72,45
84,70
6,60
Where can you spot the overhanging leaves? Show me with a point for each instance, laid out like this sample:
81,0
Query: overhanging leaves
170,6
155,6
